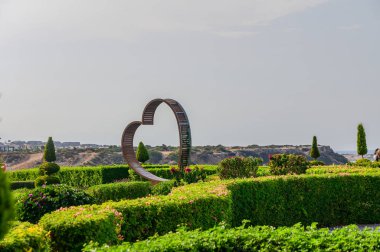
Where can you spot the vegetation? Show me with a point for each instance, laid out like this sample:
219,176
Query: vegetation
6,204
314,151
259,238
361,141
282,164
142,153
48,169
239,167
31,207
49,151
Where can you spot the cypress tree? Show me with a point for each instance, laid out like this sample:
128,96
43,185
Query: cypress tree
361,141
49,152
314,151
142,153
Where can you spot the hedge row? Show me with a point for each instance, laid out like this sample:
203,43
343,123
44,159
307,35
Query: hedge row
22,184
24,236
332,199
78,176
342,169
259,238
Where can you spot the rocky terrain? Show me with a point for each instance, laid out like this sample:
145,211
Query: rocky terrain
165,155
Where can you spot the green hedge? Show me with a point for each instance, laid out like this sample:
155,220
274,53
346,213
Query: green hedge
77,176
259,238
330,199
165,172
22,184
327,199
74,226
119,191
24,236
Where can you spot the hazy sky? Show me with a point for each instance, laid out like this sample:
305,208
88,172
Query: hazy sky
247,72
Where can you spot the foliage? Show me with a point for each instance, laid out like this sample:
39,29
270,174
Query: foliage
238,167
314,151
344,169
163,188
49,151
142,153
363,162
119,191
48,168
22,184
72,227
259,238
24,236
281,164
361,141
78,176
188,175
46,180
6,204
316,163
31,207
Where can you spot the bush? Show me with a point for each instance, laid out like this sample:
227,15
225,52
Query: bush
163,188
239,167
6,204
259,238
24,236
31,207
316,163
72,227
22,184
46,180
49,151
78,176
282,164
48,168
188,176
363,162
119,191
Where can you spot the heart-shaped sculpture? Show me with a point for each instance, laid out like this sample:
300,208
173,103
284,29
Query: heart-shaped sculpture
147,119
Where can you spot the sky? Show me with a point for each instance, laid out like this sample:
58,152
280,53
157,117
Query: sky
246,71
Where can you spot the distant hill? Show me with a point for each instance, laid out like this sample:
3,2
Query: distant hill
167,155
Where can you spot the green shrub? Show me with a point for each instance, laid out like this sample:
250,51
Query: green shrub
24,236
330,200
316,163
163,188
48,168
32,206
49,151
142,154
46,180
6,204
188,176
282,164
72,227
363,162
22,184
239,167
78,176
259,238
119,191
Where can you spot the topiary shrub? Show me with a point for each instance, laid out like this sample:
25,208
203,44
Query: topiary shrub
163,188
142,154
48,168
239,167
281,164
46,180
33,205
6,204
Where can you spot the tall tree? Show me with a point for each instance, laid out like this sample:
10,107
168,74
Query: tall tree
49,152
142,153
361,141
314,151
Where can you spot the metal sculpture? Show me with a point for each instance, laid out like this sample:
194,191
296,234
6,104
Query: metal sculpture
147,119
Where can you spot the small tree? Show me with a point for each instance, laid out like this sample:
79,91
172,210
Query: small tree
49,152
142,153
361,141
314,152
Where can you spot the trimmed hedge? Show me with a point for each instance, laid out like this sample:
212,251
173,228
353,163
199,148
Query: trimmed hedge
259,238
22,184
24,236
77,176
119,191
72,227
331,200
